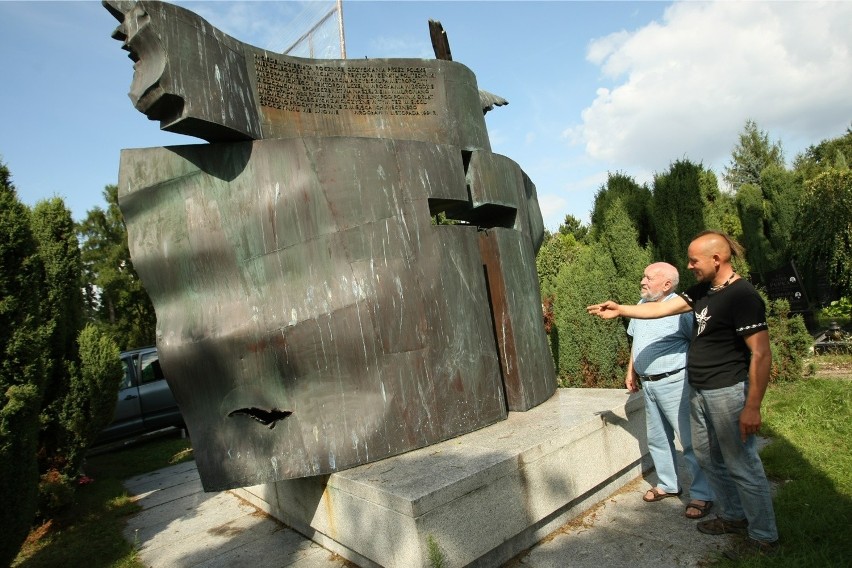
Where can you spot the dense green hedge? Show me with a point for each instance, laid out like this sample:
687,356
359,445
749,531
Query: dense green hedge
58,386
589,351
22,369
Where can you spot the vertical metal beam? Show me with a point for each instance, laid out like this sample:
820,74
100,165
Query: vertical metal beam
340,29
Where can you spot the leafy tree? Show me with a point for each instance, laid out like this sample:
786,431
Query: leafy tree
22,368
828,154
677,208
831,155
635,198
573,226
115,295
823,233
752,154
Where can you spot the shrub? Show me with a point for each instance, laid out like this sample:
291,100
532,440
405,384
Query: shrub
589,351
789,340
93,390
557,250
839,311
56,492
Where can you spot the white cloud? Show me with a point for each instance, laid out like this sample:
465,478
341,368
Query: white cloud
552,209
386,46
269,25
684,87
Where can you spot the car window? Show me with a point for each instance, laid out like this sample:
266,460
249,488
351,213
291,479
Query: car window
151,368
127,378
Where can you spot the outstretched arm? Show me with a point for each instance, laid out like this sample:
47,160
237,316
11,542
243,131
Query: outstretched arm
648,310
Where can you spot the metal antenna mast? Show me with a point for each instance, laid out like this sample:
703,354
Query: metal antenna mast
338,8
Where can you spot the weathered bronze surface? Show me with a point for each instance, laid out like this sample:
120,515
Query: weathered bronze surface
311,314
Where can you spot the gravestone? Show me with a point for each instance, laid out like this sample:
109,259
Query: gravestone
786,284
312,314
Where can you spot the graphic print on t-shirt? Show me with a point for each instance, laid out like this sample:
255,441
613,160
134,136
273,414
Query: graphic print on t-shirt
702,318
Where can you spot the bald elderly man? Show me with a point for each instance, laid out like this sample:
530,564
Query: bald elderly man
728,366
658,364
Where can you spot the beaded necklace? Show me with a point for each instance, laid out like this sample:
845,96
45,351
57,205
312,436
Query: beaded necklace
723,284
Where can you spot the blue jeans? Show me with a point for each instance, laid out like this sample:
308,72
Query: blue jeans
667,415
733,467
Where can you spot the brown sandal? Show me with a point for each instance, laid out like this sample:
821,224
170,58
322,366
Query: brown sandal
702,509
657,496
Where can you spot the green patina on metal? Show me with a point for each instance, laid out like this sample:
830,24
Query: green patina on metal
310,316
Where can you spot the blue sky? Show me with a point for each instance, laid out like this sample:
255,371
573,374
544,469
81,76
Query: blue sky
593,87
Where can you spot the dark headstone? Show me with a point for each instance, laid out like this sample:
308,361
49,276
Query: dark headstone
785,283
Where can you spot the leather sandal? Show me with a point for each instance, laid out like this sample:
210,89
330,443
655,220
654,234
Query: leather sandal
702,509
657,496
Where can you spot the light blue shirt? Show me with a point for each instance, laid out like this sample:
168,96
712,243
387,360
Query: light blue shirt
660,345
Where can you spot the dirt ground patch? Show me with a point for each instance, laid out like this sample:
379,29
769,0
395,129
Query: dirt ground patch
833,367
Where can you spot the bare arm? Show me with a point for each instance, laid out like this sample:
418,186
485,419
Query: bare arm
630,380
758,378
648,310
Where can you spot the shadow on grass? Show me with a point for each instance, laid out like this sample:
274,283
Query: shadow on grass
90,532
813,515
811,461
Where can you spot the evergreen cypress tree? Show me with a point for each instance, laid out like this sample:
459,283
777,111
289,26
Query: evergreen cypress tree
593,352
752,154
59,251
121,305
678,213
22,369
636,200
83,367
720,210
768,214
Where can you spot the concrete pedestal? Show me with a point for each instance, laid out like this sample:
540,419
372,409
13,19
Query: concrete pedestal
478,499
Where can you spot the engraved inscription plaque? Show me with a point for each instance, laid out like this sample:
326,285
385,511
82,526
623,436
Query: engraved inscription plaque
395,91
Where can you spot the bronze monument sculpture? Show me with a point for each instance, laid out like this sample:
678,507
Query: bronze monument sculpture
311,314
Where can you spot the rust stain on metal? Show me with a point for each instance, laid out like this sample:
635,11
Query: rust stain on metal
312,316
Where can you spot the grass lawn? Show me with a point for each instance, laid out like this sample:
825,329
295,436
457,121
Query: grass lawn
810,458
90,532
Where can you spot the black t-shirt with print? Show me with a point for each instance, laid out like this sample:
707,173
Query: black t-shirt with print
718,356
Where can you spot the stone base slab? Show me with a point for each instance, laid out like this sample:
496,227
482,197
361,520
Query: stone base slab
478,499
